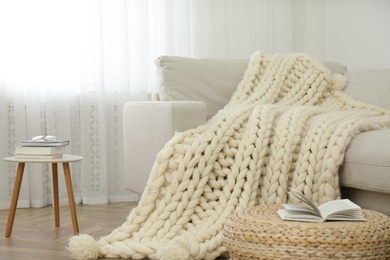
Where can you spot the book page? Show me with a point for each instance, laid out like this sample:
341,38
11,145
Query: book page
300,208
299,213
345,206
301,197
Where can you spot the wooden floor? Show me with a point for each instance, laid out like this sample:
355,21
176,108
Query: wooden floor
34,235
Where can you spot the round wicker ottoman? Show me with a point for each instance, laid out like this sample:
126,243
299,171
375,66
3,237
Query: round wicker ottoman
259,233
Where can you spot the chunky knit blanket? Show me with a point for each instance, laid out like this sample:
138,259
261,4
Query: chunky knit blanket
287,125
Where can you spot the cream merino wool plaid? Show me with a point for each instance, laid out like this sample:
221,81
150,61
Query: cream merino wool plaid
287,125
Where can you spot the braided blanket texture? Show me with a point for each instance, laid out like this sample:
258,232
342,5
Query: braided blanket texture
288,124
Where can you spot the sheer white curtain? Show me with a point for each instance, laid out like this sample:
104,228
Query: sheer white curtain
67,68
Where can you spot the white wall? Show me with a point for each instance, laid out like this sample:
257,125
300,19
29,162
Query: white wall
359,33
353,32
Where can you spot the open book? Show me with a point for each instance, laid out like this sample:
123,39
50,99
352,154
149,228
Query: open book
333,210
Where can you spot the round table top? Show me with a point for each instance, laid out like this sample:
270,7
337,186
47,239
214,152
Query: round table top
66,158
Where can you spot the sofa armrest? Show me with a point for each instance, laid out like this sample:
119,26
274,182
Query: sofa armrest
147,127
367,162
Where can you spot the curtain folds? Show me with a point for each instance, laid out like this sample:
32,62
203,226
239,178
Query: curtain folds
67,68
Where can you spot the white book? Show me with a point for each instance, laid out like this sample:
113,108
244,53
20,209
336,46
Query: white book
43,143
342,210
39,150
38,156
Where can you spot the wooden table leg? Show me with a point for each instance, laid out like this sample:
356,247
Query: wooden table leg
15,198
72,206
54,168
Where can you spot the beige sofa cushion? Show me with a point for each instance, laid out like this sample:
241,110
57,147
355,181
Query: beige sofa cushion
371,86
211,81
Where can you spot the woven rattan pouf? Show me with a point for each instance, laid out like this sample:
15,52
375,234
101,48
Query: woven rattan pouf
259,233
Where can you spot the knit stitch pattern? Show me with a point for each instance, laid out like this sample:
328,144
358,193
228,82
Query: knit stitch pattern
288,124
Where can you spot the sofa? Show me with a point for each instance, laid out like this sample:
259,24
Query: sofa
192,90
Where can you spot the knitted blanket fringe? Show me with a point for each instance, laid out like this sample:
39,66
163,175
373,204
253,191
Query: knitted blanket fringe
287,125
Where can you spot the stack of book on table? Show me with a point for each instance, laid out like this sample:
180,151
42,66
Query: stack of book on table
41,147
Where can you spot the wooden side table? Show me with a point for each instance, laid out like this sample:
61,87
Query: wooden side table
65,160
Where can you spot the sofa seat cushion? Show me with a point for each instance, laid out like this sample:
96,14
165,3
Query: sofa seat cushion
367,162
211,81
